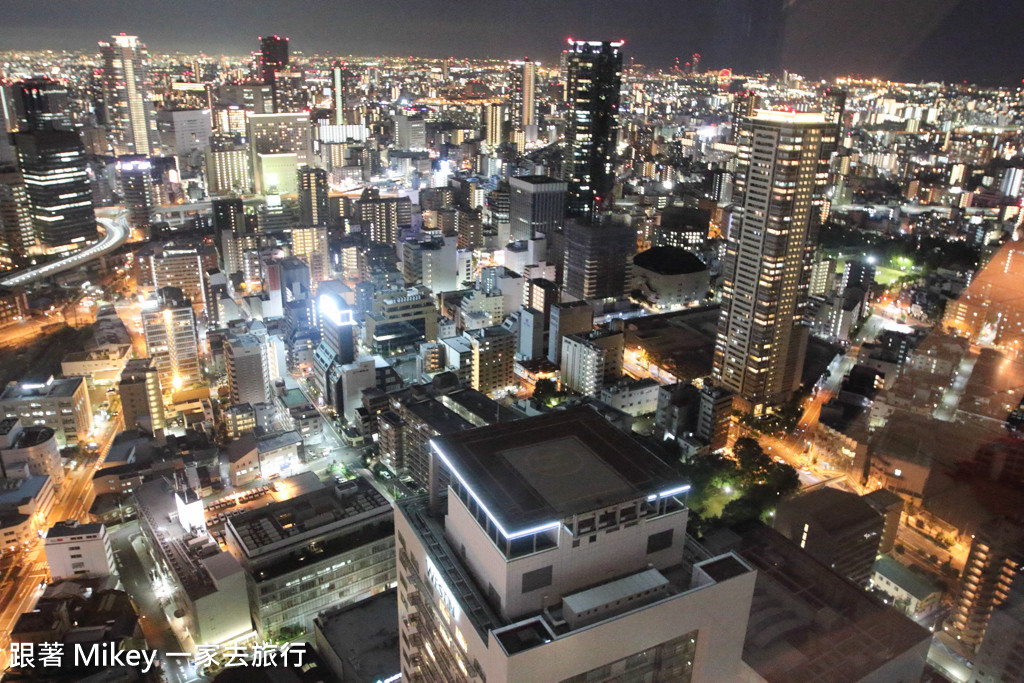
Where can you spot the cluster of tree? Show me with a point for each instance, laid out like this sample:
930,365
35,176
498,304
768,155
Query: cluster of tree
760,481
546,392
923,249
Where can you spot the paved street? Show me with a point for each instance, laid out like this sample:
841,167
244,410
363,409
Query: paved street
21,590
136,580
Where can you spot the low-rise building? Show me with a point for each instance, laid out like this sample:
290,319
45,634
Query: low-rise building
25,502
35,446
76,550
328,547
669,277
354,653
239,419
206,585
592,360
837,528
633,396
264,457
99,367
910,591
87,614
13,306
808,623
61,404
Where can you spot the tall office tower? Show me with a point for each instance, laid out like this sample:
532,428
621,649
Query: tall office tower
568,317
235,233
493,351
141,398
136,176
180,268
314,208
228,166
833,104
494,122
337,342
17,235
8,124
338,95
597,258
536,205
555,554
54,165
235,99
229,216
245,358
127,95
184,132
310,245
410,132
591,126
523,94
171,340
280,144
996,558
382,217
273,58
290,91
783,170
41,104
744,104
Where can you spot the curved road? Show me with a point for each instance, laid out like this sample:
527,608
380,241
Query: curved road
117,231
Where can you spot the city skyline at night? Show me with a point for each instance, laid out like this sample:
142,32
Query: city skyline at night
585,342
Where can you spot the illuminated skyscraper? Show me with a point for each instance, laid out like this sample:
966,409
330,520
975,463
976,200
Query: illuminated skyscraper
245,358
494,120
54,166
273,57
41,104
136,174
17,235
228,166
313,203
310,245
338,95
780,182
523,94
280,144
591,127
536,205
141,398
171,339
127,96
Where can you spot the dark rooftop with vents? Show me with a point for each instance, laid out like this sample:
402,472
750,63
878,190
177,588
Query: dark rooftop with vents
669,261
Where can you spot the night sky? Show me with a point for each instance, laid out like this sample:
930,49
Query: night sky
952,40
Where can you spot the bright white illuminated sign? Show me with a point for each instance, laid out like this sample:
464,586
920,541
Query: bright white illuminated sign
447,597
330,309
